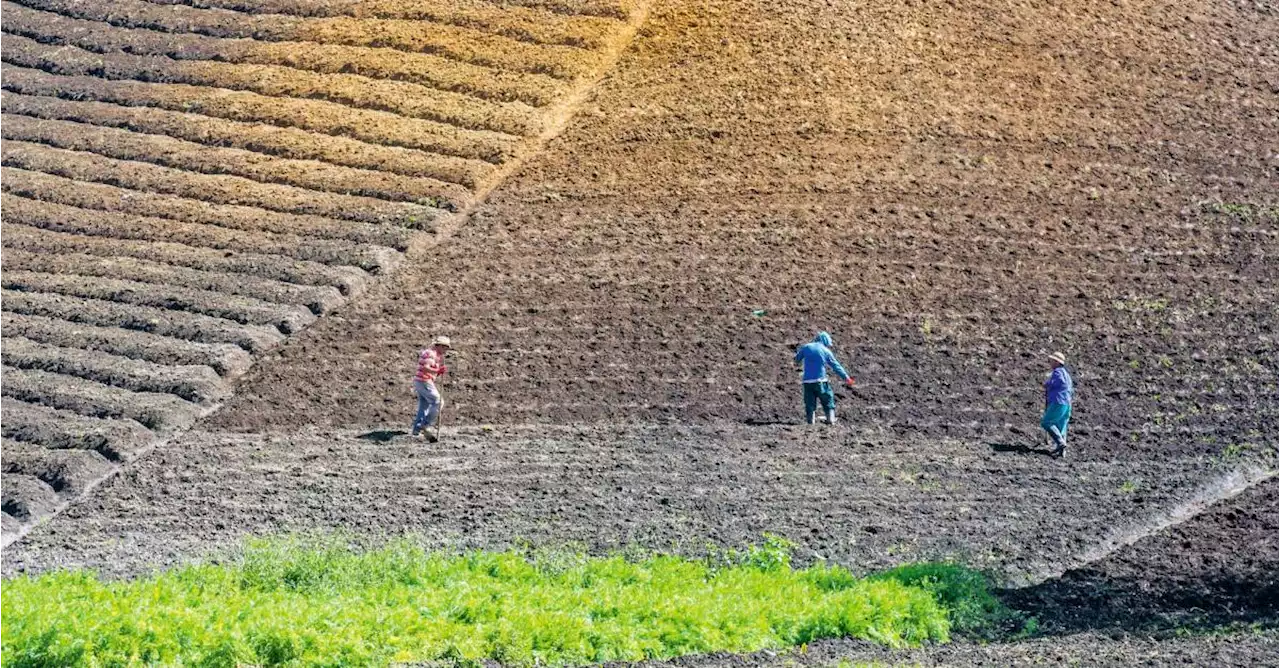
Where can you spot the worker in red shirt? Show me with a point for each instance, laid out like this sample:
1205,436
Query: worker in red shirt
430,367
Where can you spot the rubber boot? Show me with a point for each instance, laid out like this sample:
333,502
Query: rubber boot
810,418
831,417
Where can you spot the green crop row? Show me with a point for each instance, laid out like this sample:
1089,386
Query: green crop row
294,602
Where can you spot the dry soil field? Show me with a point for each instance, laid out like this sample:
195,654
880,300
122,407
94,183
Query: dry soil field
188,184
253,213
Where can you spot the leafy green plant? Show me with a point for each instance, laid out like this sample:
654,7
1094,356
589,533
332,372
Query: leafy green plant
321,602
965,593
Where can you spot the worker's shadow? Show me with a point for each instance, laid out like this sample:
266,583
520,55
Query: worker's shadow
382,435
767,422
1020,449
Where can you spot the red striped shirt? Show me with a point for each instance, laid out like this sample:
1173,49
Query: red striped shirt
429,365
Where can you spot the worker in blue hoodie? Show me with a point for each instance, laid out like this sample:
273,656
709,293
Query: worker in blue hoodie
814,358
1058,391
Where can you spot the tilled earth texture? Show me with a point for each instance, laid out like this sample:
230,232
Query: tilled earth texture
951,189
626,216
866,502
1217,569
187,184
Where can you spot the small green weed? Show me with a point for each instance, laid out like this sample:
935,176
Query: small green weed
1243,211
1140,304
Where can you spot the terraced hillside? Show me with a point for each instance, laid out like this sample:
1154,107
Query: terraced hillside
952,189
187,184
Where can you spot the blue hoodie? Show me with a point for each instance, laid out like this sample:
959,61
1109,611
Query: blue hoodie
816,356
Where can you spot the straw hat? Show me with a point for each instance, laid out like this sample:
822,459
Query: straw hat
442,341
1058,357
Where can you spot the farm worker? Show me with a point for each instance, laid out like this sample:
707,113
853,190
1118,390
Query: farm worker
814,358
1058,389
430,367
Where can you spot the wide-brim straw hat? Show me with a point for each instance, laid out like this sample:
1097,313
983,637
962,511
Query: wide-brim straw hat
1058,357
442,341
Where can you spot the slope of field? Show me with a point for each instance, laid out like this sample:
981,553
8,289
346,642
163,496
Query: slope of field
185,185
951,190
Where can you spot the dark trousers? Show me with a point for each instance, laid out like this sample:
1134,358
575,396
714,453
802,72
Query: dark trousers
815,392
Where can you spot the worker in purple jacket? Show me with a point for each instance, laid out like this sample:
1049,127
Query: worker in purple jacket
1058,389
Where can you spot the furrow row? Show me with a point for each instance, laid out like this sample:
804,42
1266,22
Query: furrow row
35,69
347,280
482,83
68,472
275,142
164,322
55,429
462,44
198,384
611,9
27,498
240,310
185,183
227,360
213,188
192,157
117,54
318,300
519,23
101,197
91,398
70,219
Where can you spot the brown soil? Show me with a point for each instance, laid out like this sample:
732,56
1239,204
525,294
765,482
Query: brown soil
183,178
843,494
859,501
908,178
951,190
1218,569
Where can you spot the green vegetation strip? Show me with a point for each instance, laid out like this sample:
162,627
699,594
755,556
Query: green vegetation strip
307,603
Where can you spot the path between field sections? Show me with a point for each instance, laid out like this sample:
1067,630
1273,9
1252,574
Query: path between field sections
185,187
1216,489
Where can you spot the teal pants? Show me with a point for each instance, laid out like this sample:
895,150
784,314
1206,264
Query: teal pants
815,392
1056,417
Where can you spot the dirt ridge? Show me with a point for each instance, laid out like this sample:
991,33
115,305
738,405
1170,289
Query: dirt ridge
1200,500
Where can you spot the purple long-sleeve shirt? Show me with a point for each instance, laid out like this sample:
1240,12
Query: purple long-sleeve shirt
1058,388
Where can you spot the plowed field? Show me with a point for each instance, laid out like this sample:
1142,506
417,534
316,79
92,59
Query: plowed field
626,217
951,191
186,185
